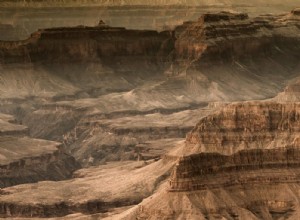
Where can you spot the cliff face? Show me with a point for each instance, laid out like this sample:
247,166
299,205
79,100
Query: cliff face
37,161
227,38
239,163
115,47
211,54
242,137
239,126
222,38
26,160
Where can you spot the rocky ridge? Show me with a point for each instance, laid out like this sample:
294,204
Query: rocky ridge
242,162
250,148
26,160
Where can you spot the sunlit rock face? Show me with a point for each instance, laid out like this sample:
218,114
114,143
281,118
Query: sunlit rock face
244,121
112,95
246,136
240,162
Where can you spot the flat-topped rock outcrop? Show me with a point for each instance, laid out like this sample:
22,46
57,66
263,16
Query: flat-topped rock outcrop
263,51
296,11
112,46
27,160
210,39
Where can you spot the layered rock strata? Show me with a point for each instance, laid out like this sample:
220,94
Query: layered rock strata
236,39
242,138
239,163
26,160
115,47
220,37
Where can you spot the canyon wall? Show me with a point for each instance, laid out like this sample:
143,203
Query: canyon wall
241,138
124,50
235,39
26,160
231,41
241,162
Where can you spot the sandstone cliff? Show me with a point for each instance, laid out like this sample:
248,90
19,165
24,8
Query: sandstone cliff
239,163
211,54
216,38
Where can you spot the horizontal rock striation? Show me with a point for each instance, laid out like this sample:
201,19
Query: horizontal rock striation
26,160
243,137
115,47
241,162
136,181
60,209
214,38
202,171
233,37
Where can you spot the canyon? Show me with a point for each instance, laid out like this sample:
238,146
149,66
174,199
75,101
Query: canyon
198,121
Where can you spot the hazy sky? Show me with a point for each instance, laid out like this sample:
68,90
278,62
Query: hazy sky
144,2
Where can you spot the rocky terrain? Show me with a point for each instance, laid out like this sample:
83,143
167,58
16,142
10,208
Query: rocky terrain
24,159
239,163
107,122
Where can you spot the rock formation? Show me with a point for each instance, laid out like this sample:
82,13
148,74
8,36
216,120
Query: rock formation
239,46
209,38
234,38
245,148
114,47
26,160
112,94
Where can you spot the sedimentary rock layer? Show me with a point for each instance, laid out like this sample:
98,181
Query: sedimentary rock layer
239,163
221,37
253,136
27,160
116,47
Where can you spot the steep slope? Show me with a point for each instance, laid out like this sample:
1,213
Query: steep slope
240,163
94,88
243,161
26,160
206,57
227,48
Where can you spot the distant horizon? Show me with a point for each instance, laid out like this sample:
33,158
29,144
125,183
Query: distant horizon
158,3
